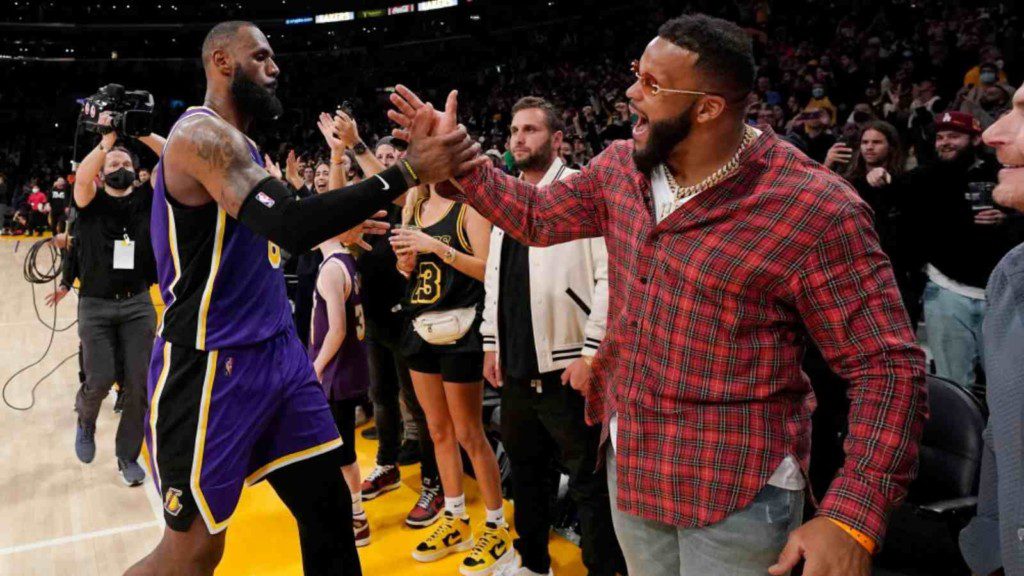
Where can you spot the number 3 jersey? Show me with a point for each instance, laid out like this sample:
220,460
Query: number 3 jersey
222,284
347,374
435,285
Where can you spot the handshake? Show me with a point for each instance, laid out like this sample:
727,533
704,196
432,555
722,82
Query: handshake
439,147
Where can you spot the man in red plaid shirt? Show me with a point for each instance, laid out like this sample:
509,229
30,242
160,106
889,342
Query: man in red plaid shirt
728,249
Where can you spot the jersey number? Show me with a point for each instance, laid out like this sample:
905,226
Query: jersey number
360,320
274,254
428,284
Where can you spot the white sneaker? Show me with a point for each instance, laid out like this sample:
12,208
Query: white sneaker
516,568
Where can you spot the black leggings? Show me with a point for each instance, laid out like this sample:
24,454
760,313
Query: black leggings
317,496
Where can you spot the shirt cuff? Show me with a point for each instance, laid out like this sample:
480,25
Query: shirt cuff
857,535
857,505
490,343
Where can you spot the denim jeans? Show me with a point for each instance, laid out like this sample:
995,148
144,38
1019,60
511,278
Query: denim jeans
953,325
745,543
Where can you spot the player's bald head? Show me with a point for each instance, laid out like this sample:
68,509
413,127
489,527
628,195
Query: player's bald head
222,36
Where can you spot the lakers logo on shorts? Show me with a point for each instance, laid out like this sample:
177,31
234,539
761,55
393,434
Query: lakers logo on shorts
274,254
172,501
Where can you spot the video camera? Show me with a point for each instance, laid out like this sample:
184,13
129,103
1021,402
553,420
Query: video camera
131,111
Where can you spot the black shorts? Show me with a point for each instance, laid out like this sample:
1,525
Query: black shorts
344,412
457,367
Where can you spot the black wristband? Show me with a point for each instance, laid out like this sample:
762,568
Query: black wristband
359,148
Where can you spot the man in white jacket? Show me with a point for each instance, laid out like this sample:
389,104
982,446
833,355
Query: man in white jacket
544,318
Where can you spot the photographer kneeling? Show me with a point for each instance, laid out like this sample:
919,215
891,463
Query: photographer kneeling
116,316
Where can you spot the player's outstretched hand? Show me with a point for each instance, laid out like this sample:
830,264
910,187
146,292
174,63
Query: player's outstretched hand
437,157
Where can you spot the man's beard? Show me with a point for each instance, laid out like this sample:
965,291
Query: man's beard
963,156
538,160
253,100
662,137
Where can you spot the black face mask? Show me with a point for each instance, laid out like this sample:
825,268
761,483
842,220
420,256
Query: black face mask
120,179
256,101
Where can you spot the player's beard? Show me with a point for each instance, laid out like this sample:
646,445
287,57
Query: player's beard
662,137
538,160
254,100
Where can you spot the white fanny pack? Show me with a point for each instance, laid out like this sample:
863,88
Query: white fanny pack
444,327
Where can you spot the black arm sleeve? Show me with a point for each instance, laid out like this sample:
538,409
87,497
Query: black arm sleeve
297,225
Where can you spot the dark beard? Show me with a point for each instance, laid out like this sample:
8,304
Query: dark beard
964,158
253,100
539,160
662,137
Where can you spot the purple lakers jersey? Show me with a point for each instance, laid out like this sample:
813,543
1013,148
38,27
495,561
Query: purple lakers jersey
222,284
347,375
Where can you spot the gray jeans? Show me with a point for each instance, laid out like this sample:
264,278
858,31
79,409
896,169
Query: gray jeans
746,543
116,333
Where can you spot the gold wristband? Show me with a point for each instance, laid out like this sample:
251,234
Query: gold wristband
408,168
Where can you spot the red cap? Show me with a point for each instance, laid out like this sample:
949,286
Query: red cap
959,121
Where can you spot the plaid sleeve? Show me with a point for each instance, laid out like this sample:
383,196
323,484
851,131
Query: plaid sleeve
541,216
846,293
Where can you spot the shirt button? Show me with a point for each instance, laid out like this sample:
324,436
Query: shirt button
633,323
643,280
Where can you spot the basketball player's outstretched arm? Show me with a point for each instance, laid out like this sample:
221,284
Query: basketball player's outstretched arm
211,153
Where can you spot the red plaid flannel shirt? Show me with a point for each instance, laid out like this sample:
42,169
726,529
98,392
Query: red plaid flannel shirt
709,312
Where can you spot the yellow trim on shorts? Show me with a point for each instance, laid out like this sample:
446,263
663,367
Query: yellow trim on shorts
204,305
291,459
172,241
197,457
154,408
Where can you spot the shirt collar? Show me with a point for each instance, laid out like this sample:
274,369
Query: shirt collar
553,171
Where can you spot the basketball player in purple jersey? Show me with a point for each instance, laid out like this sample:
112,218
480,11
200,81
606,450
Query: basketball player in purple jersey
233,396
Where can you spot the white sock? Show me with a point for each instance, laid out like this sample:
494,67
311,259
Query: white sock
496,517
357,504
457,505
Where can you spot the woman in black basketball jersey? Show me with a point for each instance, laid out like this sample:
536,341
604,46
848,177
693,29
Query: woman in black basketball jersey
443,248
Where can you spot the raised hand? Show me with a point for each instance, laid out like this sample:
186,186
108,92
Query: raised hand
326,125
272,167
437,157
407,103
291,170
346,128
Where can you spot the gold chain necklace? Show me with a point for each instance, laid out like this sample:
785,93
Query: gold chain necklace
682,193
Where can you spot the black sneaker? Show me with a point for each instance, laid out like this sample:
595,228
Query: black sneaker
409,453
85,442
131,473
370,433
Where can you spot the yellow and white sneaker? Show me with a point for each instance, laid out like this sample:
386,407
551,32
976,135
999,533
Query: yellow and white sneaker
493,550
451,535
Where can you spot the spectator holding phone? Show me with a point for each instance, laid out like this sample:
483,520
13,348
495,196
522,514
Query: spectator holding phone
961,236
811,126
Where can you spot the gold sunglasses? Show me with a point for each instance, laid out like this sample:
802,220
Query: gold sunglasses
650,85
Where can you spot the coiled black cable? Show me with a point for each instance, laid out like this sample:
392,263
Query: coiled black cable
37,271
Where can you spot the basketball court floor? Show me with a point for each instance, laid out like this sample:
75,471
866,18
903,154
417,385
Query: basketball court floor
59,517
